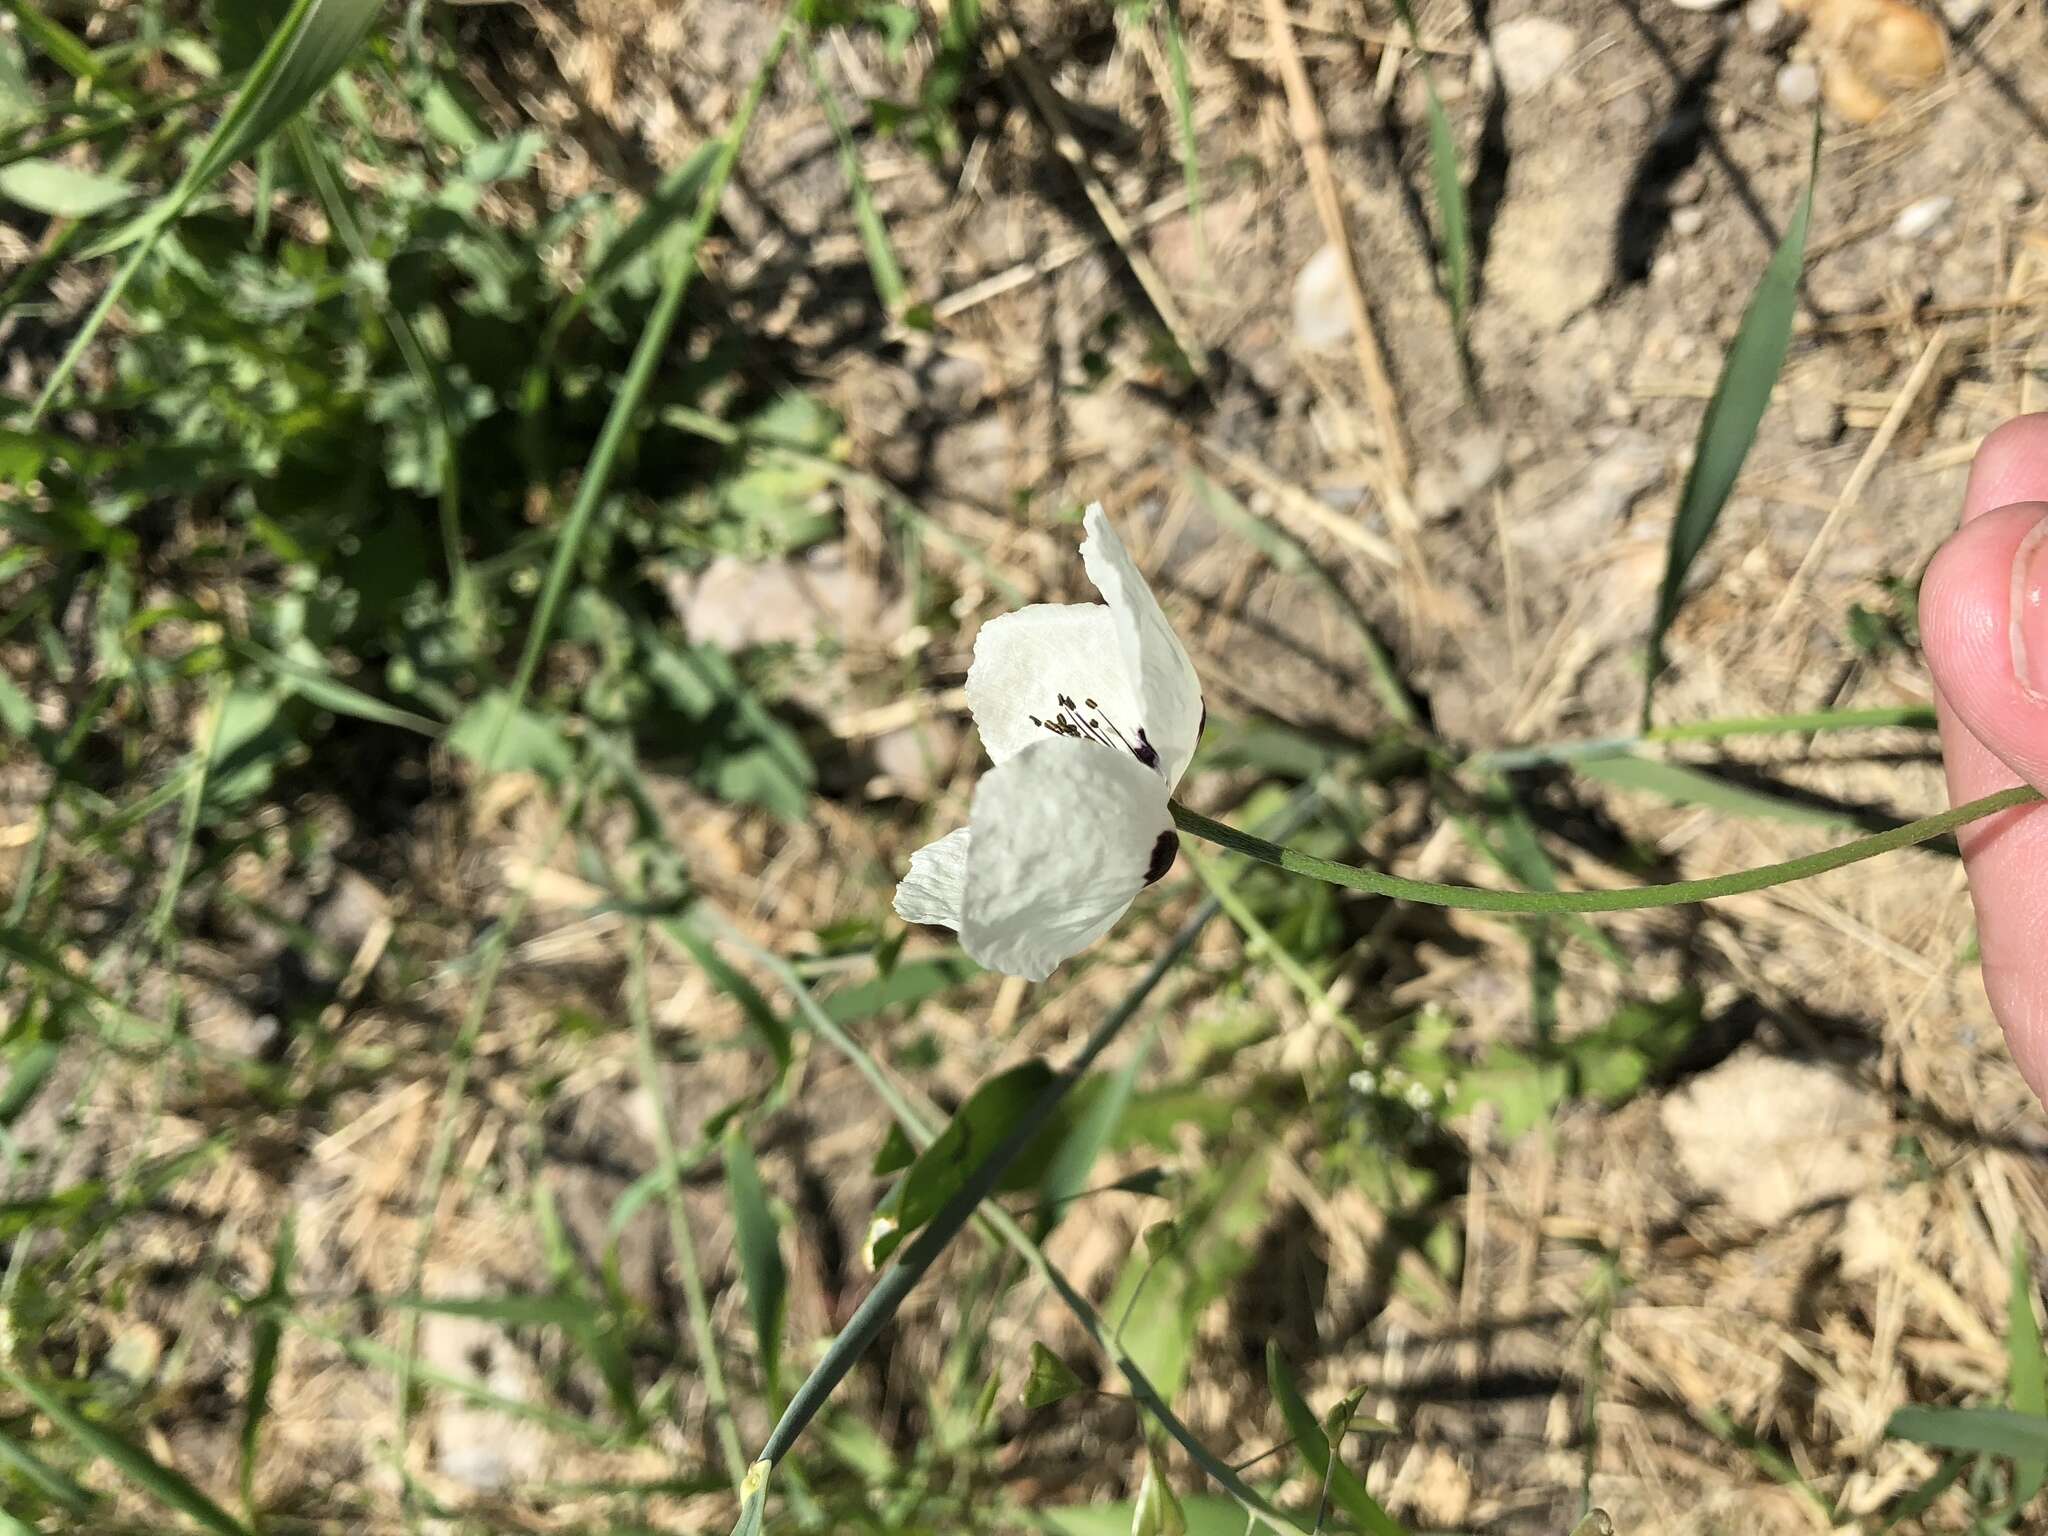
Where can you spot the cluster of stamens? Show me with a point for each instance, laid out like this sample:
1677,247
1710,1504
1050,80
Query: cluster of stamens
1086,721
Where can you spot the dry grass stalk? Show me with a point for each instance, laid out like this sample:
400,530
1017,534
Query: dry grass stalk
1306,120
1859,478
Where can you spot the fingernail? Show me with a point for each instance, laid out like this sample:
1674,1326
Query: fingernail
2030,612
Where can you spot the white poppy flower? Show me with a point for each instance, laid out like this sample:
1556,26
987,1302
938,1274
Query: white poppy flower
1090,713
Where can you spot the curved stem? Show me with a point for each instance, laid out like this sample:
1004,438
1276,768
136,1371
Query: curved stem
1679,893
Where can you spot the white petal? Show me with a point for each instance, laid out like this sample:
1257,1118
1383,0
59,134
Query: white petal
1169,693
1025,661
1065,834
932,888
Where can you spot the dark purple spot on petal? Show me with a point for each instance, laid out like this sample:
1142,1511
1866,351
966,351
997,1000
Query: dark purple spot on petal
1147,754
1163,854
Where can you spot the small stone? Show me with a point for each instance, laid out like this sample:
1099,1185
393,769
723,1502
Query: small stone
1529,51
1476,461
1816,415
1702,5
1686,187
2012,190
1798,85
1963,13
1763,17
1322,310
1922,218
1771,1137
1687,222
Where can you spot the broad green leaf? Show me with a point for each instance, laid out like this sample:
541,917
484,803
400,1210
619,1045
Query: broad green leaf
1690,786
908,984
500,736
1733,415
756,1236
17,715
989,1115
1051,1380
168,1487
1158,1512
31,1069
1992,1431
61,190
1345,1486
2026,1369
17,97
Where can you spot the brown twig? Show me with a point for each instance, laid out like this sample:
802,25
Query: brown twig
1307,123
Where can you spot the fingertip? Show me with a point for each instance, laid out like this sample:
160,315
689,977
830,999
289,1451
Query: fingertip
2011,466
1967,630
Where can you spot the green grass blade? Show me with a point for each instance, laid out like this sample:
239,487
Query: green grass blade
759,1242
330,692
1346,1487
313,41
1689,786
632,390
874,233
263,1344
2026,1369
1184,120
160,1482
1923,1498
318,161
1728,430
761,1017
1991,1431
57,41
1447,181
44,1478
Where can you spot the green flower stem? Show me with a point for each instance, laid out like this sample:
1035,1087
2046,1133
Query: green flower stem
1679,893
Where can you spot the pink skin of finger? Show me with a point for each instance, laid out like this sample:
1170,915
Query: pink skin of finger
1984,623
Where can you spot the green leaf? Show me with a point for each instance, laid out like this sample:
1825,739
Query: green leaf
44,1478
17,97
1158,1512
895,1154
1095,1121
61,190
32,1068
160,1482
314,40
1689,786
1051,1380
758,1240
500,736
1344,1485
2026,1369
1728,429
874,233
944,1166
761,1017
1992,1431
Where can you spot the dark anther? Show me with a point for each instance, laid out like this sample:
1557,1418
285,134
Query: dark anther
1163,853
